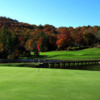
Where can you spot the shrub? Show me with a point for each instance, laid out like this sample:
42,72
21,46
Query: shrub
68,48
11,57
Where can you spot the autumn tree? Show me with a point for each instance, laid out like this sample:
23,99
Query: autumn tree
89,38
43,42
9,42
28,34
64,39
79,39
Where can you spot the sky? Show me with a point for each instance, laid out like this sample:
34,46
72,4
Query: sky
67,13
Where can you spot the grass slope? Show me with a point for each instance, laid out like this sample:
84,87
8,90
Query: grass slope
48,84
91,53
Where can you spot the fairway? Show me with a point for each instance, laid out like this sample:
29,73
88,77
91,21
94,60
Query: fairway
85,54
18,83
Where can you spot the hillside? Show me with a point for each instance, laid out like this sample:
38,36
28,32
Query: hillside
11,23
86,54
44,37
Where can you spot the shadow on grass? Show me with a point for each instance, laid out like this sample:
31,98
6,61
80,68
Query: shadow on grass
60,55
86,67
30,65
37,65
34,57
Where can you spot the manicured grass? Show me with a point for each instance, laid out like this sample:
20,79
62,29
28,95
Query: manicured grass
33,65
18,83
86,54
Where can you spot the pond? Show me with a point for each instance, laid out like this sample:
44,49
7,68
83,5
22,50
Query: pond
87,67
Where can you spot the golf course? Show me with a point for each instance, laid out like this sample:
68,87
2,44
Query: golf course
50,50
85,54
18,81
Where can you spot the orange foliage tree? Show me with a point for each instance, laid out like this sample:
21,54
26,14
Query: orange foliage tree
64,39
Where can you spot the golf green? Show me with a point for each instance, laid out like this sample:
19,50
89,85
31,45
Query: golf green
18,83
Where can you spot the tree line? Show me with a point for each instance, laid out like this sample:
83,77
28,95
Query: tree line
17,38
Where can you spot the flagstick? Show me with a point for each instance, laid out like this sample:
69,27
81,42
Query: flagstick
38,67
